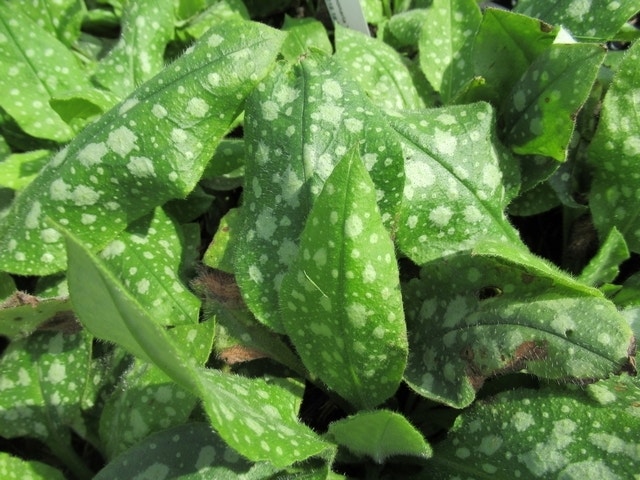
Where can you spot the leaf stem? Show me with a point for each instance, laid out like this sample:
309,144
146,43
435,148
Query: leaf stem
65,452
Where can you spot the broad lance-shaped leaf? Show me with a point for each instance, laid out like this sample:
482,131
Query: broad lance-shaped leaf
455,181
445,41
259,418
149,149
298,124
614,155
538,115
380,434
62,18
34,67
342,307
250,415
592,21
147,27
471,317
551,433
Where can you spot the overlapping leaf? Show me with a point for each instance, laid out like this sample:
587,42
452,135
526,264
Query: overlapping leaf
473,317
14,468
61,18
539,113
504,47
456,175
34,67
182,452
379,70
341,303
151,148
551,433
42,382
614,155
444,43
147,27
146,257
299,123
589,20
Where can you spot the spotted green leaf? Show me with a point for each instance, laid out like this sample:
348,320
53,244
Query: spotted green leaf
551,433
455,188
402,31
200,20
444,44
35,67
225,171
614,153
147,27
304,34
42,381
191,450
504,47
379,434
149,149
540,111
19,169
497,317
258,418
21,314
14,468
146,258
298,124
379,70
587,20
341,303
110,312
61,18
145,401
605,265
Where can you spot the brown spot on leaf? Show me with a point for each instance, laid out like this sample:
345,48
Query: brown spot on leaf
526,278
240,354
18,299
65,322
545,27
219,286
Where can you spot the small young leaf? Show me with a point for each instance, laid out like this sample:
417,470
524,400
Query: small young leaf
35,66
302,35
588,20
496,317
445,42
13,468
342,306
300,122
379,70
379,434
219,254
149,149
258,419
147,27
539,113
187,451
455,188
604,267
614,152
551,433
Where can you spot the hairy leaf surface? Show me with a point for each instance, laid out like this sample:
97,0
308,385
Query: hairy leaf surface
341,303
151,148
497,317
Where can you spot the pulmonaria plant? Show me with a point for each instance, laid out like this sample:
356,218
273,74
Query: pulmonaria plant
234,243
